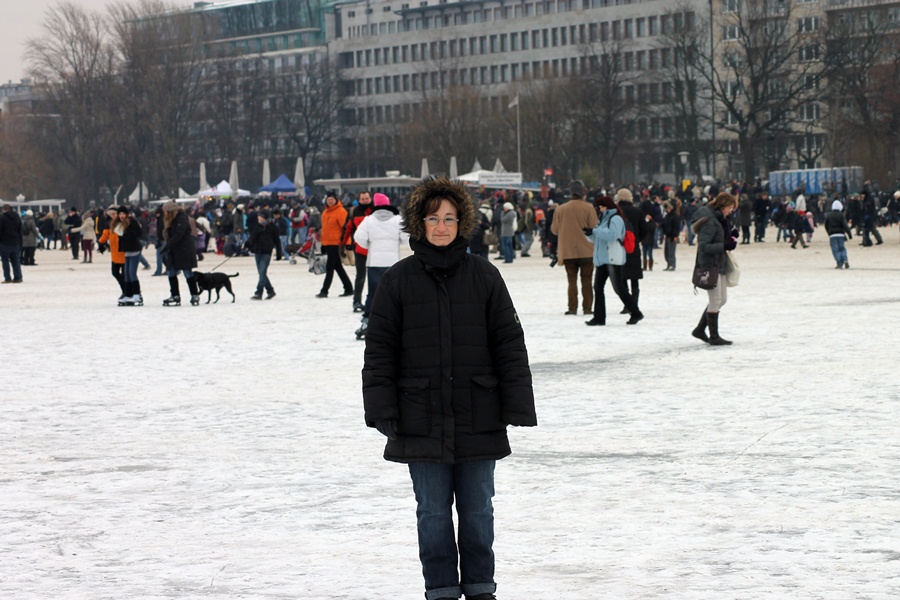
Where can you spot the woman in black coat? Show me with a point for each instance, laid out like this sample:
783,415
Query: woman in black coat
446,371
179,253
714,238
129,232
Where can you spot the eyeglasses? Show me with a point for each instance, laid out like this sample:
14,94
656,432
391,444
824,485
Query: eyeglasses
447,221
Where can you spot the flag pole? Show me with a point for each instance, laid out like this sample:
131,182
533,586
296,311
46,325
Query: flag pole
518,137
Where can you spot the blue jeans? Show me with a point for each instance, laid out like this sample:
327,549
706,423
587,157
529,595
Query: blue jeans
374,276
435,485
131,267
839,249
262,267
11,254
647,251
506,248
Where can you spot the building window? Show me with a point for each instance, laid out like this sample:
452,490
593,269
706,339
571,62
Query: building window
651,26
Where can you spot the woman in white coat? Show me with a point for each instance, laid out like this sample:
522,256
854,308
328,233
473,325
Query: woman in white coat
380,234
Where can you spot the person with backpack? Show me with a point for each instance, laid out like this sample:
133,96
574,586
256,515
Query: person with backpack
608,238
634,225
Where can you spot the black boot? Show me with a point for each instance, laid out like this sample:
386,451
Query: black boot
195,291
699,331
714,339
175,298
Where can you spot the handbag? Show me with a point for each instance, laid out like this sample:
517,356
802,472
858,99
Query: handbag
733,274
705,278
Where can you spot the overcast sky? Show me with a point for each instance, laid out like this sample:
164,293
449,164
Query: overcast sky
22,20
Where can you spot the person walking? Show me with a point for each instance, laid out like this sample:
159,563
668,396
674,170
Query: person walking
714,238
11,244
88,237
262,241
671,230
72,222
609,260
109,237
29,239
445,372
631,271
574,249
746,216
332,235
129,232
179,253
761,207
838,231
507,231
381,235
362,210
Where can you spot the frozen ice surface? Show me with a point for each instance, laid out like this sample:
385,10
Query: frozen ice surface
219,451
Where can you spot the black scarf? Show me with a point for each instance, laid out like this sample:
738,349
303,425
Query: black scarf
440,259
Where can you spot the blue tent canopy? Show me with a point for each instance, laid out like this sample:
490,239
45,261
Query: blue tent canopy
282,184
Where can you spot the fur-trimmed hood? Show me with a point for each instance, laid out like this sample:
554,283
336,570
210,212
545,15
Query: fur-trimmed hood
438,187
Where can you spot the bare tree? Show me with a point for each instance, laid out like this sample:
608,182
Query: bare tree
690,100
603,104
863,56
73,63
158,90
758,75
308,102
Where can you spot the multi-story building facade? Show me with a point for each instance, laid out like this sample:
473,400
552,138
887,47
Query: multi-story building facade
393,52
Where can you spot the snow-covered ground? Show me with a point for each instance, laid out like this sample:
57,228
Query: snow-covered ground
219,451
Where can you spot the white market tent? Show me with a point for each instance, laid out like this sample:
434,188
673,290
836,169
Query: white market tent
185,201
140,193
223,189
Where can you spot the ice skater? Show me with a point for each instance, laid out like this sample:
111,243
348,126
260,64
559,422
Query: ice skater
178,253
129,232
445,372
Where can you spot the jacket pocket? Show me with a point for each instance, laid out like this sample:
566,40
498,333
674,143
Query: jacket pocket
415,409
486,408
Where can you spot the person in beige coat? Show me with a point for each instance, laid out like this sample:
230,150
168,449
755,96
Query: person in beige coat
575,250
88,236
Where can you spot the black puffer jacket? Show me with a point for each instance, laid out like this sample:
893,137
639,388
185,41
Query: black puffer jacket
10,228
264,239
180,244
445,357
632,267
130,239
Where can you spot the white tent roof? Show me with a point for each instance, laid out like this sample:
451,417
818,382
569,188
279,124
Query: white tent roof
140,193
223,189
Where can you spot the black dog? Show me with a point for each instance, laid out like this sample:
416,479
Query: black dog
209,281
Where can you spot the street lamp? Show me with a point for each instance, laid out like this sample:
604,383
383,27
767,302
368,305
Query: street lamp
683,157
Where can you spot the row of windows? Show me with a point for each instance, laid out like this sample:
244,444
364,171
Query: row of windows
272,43
622,29
810,112
489,44
644,93
804,25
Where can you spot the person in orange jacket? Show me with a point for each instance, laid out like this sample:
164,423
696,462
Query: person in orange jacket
110,237
333,219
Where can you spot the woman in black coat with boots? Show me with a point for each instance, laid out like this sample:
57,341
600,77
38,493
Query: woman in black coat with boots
714,238
179,253
445,372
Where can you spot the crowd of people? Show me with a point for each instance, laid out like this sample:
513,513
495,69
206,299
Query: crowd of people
658,217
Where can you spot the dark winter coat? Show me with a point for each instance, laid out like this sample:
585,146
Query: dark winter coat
29,232
130,239
476,242
445,352
10,229
631,213
710,238
746,209
180,247
836,223
264,239
73,221
672,225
